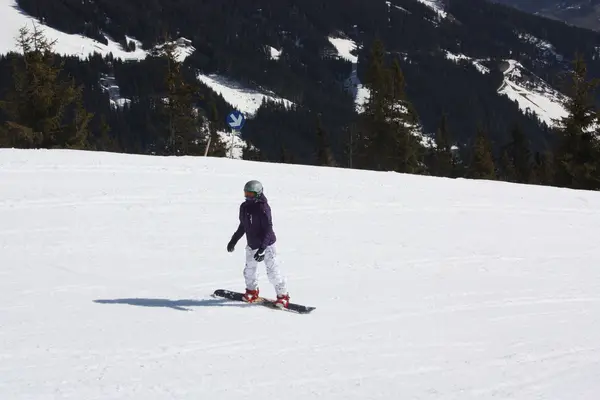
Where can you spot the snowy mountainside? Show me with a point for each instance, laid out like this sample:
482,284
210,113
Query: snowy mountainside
240,98
531,93
478,64
13,19
437,6
545,48
108,263
247,100
305,57
345,48
581,13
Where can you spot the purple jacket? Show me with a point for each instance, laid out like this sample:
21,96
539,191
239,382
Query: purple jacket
256,222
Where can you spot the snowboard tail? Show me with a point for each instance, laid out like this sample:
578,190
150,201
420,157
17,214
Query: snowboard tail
237,296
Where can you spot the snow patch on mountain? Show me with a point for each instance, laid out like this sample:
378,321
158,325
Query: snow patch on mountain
357,90
14,18
437,6
108,84
275,54
461,57
234,144
344,47
66,44
361,97
183,48
244,99
544,46
531,93
390,5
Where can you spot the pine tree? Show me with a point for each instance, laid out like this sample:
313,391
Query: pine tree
543,169
105,142
323,148
352,141
43,109
18,136
577,156
378,82
482,161
374,150
284,155
216,146
442,158
520,156
389,122
406,124
506,169
185,133
252,153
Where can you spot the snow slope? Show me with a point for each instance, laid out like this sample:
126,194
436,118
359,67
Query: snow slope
344,47
532,94
242,98
13,19
425,288
457,58
437,6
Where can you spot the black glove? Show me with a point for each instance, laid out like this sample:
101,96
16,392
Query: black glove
260,254
230,246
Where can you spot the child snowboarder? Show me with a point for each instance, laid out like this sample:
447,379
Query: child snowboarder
256,223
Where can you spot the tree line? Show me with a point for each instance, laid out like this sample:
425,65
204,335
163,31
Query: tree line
47,107
231,39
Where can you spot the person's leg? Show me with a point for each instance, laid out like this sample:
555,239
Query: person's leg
274,272
251,275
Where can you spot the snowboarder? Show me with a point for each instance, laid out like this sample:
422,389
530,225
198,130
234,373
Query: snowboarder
256,223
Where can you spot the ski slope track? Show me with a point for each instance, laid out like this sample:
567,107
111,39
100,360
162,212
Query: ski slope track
425,288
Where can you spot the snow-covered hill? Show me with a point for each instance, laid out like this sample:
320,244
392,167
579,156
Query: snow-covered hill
425,288
531,93
536,95
13,19
242,98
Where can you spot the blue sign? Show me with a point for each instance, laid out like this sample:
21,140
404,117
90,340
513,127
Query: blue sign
236,120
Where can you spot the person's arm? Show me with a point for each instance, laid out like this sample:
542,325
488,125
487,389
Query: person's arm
267,224
237,235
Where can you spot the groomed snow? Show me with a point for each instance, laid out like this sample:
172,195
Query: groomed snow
425,288
13,19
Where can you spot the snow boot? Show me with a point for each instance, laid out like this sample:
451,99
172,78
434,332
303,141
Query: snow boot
282,300
251,295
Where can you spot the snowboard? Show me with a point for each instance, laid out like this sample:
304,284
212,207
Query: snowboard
237,296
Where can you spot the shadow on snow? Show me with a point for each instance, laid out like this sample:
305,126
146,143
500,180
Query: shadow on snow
174,304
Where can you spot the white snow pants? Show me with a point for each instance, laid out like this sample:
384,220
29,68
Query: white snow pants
273,272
